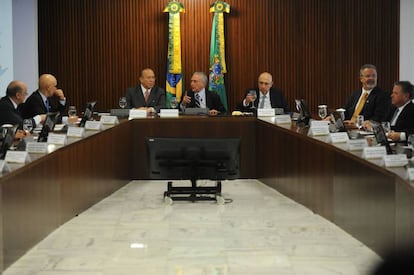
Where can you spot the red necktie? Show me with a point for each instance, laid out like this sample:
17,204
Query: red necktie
146,96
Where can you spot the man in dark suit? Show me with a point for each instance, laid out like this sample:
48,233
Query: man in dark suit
16,94
146,96
199,97
266,96
375,103
401,116
48,98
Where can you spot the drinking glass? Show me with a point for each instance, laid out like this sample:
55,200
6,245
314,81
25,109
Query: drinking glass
254,96
173,103
386,126
341,112
322,111
28,125
410,140
122,102
359,122
72,111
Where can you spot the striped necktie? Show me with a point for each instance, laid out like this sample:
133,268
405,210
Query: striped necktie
197,100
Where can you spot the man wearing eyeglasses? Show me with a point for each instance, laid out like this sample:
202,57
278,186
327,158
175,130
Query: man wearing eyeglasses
265,96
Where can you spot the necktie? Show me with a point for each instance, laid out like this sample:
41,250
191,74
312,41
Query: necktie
359,107
262,102
197,100
146,96
47,105
394,117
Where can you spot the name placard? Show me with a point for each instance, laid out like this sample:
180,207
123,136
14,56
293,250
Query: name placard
135,113
169,113
283,119
410,173
4,168
93,125
17,156
319,123
76,132
357,144
338,137
109,120
279,111
398,160
374,152
318,128
36,147
265,112
58,139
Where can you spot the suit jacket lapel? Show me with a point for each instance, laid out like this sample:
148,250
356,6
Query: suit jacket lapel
208,98
140,95
39,97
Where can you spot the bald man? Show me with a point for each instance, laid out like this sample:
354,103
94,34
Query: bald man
267,96
48,98
146,96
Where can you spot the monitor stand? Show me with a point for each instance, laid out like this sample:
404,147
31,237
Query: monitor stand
193,193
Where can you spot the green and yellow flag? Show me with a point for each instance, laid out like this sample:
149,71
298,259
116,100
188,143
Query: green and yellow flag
217,54
174,83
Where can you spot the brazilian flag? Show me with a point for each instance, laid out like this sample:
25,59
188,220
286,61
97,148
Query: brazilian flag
217,51
174,79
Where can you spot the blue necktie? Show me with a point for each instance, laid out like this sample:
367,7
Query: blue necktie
47,105
262,102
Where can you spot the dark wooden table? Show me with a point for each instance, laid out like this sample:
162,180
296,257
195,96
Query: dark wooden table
374,204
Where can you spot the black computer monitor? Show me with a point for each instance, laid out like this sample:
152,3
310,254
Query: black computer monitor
304,114
48,125
7,133
88,113
193,158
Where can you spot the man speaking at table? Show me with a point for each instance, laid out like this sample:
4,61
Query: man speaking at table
199,97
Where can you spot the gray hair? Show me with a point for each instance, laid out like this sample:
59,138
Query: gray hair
366,66
14,88
203,77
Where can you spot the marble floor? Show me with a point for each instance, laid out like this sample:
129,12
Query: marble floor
259,231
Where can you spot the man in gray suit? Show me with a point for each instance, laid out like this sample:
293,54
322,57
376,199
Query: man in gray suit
146,96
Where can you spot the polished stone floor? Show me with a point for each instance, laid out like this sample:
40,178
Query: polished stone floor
258,231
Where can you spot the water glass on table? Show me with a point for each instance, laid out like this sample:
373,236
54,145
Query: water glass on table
359,122
72,117
410,140
173,103
386,126
28,125
322,111
122,102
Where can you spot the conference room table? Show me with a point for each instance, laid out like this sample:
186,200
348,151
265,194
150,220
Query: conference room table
373,203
